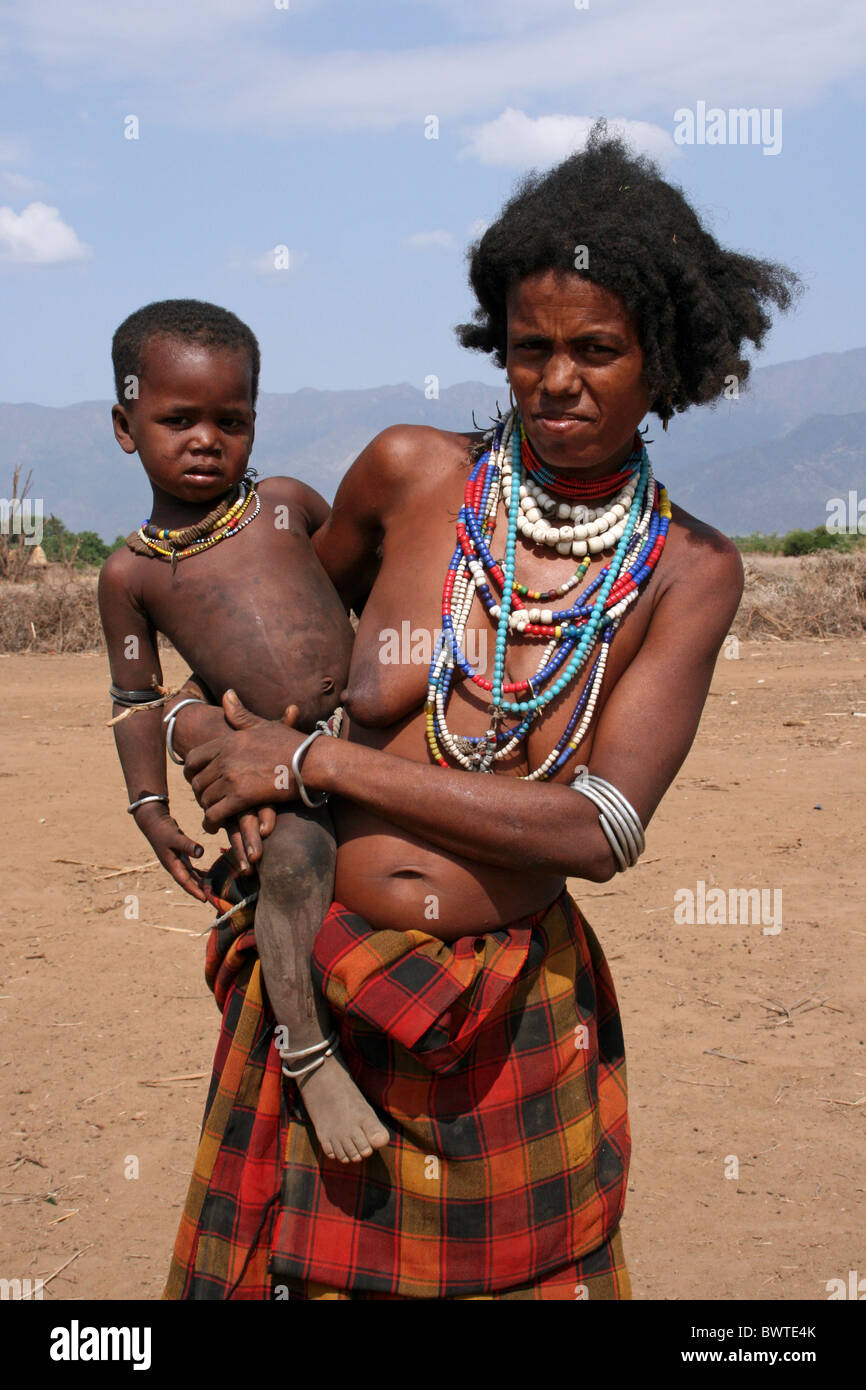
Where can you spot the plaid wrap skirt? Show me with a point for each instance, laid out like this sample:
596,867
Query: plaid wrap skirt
496,1062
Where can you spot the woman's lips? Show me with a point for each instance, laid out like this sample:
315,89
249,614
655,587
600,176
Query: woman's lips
561,424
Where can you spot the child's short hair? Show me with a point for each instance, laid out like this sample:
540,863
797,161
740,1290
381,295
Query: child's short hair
193,320
695,303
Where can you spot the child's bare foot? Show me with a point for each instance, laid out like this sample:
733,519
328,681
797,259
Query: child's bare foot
346,1126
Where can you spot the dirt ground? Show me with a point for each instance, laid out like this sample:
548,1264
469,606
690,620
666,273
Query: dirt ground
747,1048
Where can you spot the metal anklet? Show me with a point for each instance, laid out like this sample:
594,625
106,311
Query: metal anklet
324,1050
618,819
169,722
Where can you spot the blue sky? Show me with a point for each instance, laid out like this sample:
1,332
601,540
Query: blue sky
262,126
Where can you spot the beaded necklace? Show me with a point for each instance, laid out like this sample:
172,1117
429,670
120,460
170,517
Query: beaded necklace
637,532
580,489
225,520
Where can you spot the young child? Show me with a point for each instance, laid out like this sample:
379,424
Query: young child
224,567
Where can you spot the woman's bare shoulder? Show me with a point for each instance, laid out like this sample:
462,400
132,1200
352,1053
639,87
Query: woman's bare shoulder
701,556
401,448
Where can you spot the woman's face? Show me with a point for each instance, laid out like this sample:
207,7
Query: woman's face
576,370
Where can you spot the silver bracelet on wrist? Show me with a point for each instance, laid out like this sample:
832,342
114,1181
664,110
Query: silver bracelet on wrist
134,805
617,817
169,722
321,728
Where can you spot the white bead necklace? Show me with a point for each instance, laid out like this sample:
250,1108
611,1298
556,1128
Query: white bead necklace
583,530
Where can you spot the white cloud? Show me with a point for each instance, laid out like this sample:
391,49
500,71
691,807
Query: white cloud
38,236
499,16
19,185
517,141
420,241
233,65
89,31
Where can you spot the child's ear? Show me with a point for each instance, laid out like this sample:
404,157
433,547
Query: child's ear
122,432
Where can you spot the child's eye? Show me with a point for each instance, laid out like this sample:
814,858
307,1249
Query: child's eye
175,420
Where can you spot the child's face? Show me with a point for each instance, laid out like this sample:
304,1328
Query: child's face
193,422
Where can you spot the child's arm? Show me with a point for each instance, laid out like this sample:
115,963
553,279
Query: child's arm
134,661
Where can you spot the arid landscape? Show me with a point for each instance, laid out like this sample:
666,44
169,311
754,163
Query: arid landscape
746,1040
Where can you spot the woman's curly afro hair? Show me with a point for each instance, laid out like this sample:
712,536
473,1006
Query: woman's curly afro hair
695,304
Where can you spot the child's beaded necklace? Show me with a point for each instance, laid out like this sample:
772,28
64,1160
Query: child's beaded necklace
226,519
635,523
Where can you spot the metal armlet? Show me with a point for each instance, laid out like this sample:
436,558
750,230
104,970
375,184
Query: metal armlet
618,819
153,696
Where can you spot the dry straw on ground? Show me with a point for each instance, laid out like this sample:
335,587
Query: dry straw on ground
815,596
56,612
819,596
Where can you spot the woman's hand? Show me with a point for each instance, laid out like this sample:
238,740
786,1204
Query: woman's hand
248,768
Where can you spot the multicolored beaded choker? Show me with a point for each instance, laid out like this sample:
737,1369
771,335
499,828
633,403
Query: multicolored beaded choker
226,519
575,489
570,633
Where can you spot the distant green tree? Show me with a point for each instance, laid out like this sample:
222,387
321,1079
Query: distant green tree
74,547
809,542
92,549
58,541
757,542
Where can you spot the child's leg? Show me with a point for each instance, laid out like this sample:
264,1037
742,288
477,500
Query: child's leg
296,877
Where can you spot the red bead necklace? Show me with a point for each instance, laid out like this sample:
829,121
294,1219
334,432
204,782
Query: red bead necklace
573,489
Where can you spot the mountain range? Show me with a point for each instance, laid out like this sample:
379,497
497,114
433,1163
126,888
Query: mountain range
769,460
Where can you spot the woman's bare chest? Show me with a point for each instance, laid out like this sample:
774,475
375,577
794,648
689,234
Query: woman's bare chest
405,623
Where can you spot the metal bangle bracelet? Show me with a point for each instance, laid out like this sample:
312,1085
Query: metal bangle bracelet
628,814
618,819
135,697
619,846
134,805
296,770
169,723
630,845
616,831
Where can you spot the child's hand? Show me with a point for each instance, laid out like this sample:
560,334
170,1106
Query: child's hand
172,847
246,833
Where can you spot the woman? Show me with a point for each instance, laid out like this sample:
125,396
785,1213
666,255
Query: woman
476,1009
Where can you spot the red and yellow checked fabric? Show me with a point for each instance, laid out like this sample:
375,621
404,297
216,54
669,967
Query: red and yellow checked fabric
497,1063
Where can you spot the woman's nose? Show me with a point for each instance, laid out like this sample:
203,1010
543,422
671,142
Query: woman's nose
561,377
